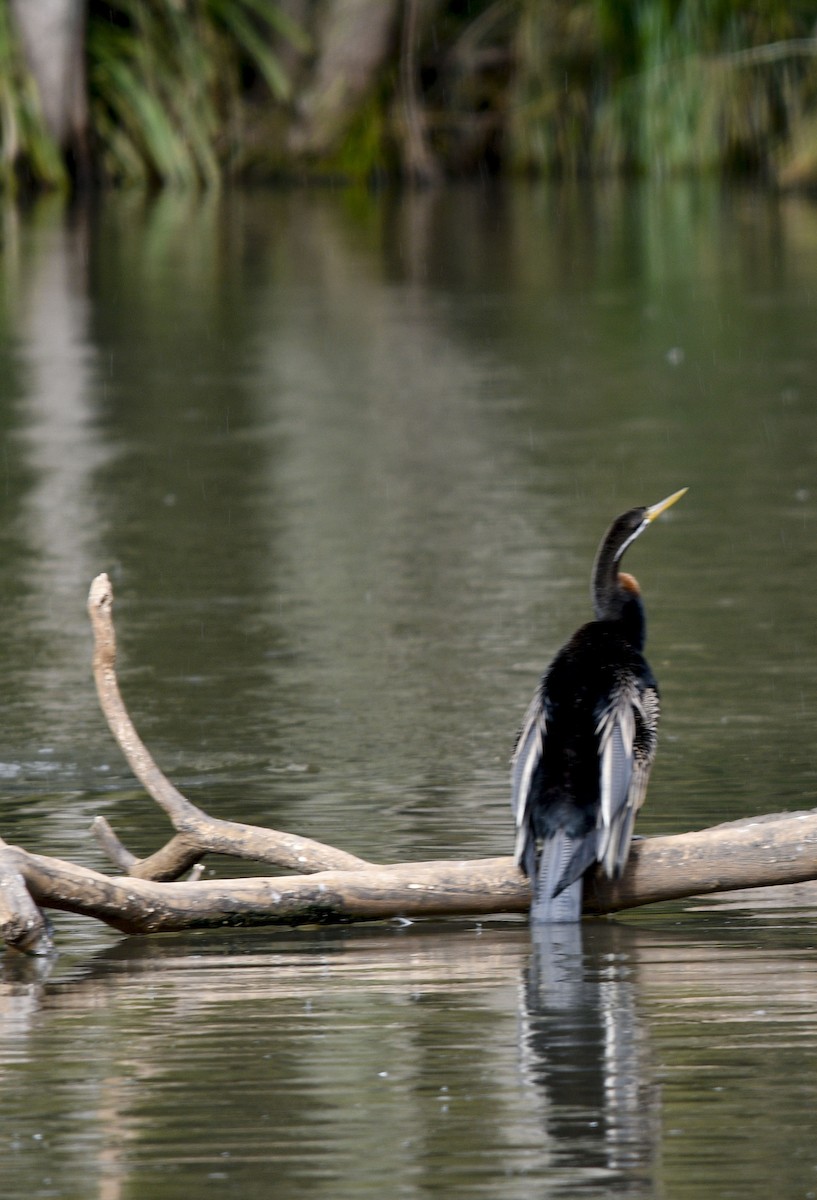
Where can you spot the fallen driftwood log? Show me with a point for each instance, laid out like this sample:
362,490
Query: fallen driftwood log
332,885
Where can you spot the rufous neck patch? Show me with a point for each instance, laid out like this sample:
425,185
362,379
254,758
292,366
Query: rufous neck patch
629,583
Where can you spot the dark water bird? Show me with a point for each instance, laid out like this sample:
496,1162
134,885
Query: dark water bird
581,764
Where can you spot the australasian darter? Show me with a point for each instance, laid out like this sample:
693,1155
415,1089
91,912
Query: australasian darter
580,769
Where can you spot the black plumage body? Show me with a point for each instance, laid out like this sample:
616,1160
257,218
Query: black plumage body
582,761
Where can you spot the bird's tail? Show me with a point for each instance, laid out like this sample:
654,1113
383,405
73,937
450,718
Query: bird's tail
558,886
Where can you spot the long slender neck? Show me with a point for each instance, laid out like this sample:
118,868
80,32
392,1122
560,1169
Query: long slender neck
605,585
616,595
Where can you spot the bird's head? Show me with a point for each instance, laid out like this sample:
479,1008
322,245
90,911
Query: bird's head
614,591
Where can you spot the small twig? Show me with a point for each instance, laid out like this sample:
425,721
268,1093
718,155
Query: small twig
197,833
119,855
466,47
167,864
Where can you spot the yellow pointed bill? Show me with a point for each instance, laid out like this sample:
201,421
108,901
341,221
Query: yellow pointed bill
655,510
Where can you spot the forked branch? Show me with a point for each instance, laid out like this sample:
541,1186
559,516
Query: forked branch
197,834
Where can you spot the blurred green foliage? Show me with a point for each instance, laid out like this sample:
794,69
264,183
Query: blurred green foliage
166,81
186,92
659,86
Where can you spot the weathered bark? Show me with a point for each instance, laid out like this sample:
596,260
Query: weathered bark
743,854
22,925
777,848
407,890
753,853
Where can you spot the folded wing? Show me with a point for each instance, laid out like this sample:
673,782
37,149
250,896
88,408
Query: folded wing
527,758
627,730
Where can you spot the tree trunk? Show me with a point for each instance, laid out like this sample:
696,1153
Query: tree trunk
52,34
354,38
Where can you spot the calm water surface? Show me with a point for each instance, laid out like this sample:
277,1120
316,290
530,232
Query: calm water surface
347,460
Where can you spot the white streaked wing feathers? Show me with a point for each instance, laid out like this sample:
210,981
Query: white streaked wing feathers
624,766
526,758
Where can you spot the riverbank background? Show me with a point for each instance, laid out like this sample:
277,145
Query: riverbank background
193,92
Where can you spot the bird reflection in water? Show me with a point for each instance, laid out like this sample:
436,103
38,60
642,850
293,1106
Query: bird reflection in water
585,1053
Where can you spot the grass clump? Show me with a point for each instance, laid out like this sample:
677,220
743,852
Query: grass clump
168,81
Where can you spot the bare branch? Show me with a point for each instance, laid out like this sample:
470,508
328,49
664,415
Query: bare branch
754,852
100,607
198,834
119,855
332,897
773,850
180,854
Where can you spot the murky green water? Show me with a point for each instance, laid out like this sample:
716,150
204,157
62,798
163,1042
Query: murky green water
347,460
